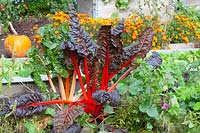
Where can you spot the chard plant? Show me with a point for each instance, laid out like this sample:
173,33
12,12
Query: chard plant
99,62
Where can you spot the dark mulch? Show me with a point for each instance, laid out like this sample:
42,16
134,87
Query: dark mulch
24,27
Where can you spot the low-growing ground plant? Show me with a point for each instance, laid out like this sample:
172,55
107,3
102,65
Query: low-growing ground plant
161,99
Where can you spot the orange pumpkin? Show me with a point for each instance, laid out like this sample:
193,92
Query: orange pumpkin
17,43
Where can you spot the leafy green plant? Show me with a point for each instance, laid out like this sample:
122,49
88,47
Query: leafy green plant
11,68
99,66
14,10
122,4
48,39
31,128
163,95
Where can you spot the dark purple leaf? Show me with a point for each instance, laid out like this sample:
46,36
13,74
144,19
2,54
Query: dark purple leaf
101,96
80,41
75,128
144,44
22,101
116,34
114,98
154,60
65,118
29,111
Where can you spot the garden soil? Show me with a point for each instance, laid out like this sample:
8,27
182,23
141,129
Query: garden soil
24,27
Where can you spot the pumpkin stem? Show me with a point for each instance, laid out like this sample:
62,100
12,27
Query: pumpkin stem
12,28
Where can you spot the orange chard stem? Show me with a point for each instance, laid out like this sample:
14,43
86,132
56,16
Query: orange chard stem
51,82
61,87
67,84
73,85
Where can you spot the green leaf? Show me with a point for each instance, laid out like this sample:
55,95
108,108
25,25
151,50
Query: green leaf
50,122
135,86
174,109
65,28
149,126
108,109
153,112
41,31
115,15
196,106
143,108
50,111
122,88
31,128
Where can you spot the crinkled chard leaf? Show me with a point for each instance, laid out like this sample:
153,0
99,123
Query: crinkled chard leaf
102,97
80,41
110,46
144,44
75,128
22,101
65,118
154,60
29,111
114,98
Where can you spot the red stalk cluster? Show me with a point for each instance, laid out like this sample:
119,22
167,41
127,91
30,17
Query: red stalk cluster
75,53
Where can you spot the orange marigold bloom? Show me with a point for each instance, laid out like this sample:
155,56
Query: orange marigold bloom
55,24
164,37
91,34
134,37
37,38
35,28
185,39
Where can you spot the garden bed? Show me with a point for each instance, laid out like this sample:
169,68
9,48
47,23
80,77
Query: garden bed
170,69
117,64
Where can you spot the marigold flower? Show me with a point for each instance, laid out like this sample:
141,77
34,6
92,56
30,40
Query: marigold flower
164,37
185,39
188,33
153,44
56,32
155,39
133,16
134,37
55,24
35,27
91,34
37,38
